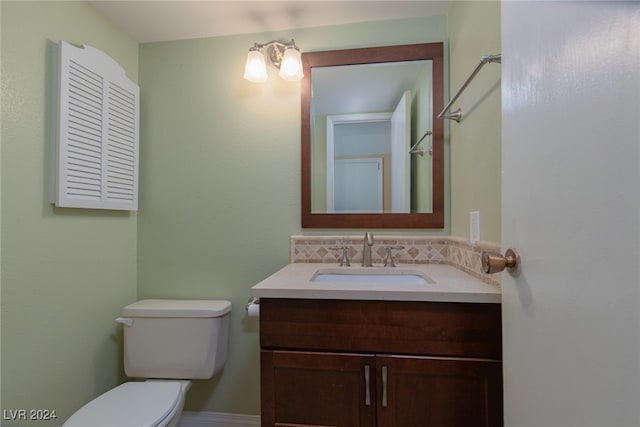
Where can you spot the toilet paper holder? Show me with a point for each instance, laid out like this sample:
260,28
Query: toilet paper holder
253,307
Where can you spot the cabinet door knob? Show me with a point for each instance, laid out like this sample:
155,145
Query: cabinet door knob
495,263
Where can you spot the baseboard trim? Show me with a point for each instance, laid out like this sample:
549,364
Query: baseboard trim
218,419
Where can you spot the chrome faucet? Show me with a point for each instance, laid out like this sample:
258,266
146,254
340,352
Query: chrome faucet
366,249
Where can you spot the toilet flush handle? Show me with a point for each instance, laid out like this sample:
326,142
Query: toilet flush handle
125,321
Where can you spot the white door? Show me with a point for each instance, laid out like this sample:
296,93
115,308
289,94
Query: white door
571,206
358,185
358,143
400,157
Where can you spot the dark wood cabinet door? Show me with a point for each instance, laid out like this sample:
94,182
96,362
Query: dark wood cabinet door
441,364
442,392
317,389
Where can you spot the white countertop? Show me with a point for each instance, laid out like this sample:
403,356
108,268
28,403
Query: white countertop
451,285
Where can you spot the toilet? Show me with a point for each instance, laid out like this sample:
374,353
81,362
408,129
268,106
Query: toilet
167,343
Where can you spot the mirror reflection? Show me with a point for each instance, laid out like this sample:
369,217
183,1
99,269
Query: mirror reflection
372,152
365,121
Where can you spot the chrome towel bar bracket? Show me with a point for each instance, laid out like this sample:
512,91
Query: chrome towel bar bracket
415,150
457,114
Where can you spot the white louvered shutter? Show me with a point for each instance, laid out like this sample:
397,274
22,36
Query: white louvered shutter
96,147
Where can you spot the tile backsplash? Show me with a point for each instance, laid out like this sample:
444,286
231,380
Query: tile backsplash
453,251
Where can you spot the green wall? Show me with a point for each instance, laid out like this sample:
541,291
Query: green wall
474,30
65,273
220,182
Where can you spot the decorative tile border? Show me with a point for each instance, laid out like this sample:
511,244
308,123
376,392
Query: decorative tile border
450,250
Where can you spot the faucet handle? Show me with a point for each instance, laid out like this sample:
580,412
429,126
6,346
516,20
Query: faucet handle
388,262
344,260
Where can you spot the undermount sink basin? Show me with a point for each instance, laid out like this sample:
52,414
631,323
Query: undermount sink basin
372,276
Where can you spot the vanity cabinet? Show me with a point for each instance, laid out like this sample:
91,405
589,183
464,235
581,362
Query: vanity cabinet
380,363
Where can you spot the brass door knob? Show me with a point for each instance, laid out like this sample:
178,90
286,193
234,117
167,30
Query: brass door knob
495,263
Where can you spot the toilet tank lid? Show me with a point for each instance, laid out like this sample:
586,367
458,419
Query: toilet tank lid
177,308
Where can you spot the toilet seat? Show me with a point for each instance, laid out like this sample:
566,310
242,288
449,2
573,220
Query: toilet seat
140,404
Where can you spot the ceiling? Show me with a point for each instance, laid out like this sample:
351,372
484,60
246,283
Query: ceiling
161,20
363,88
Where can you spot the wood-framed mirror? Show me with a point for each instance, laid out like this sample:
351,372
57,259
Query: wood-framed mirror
325,162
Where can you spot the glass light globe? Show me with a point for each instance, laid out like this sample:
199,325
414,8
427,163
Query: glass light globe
255,70
291,67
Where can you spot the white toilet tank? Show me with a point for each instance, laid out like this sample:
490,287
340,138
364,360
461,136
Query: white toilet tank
181,339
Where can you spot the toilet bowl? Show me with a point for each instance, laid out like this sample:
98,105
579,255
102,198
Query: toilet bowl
175,340
134,404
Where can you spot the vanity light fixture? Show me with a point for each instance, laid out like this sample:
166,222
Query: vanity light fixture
284,56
